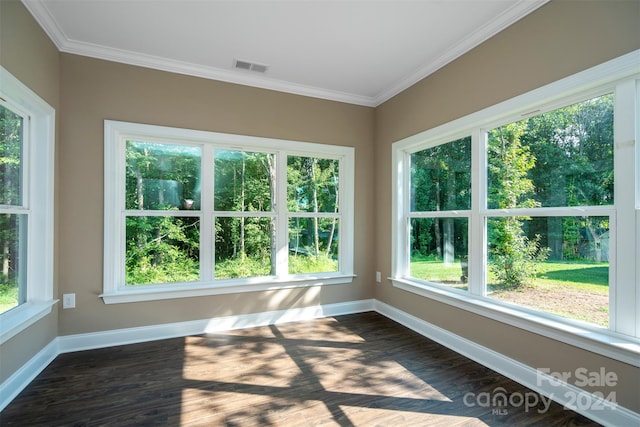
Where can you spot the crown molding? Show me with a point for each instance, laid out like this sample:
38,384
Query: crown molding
43,17
212,73
502,21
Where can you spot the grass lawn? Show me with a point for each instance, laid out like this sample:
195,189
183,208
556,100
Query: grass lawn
577,290
591,277
439,272
8,297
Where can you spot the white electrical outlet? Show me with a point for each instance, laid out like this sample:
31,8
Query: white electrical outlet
68,300
378,277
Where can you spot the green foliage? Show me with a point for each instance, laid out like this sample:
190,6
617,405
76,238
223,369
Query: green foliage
243,181
440,180
573,147
419,257
242,266
162,250
560,158
513,256
165,249
508,166
162,176
11,129
300,264
174,268
571,238
441,177
12,226
8,296
312,184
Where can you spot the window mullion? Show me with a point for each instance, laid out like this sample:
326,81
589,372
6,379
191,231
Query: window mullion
282,216
207,248
406,217
115,226
624,318
477,222
399,253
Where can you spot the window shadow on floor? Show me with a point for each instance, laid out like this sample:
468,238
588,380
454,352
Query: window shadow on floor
355,370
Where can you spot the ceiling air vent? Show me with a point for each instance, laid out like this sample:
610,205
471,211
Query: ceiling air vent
251,66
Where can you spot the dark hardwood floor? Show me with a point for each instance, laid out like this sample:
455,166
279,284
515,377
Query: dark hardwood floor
355,370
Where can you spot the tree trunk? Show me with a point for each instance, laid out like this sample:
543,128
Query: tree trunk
5,261
139,188
449,249
597,241
333,223
436,224
555,235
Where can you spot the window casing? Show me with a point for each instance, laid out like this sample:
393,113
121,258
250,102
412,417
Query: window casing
191,213
26,208
614,219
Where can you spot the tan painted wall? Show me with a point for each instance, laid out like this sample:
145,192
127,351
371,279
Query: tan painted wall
559,39
28,54
94,90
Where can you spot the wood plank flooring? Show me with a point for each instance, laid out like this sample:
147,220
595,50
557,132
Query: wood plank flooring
355,370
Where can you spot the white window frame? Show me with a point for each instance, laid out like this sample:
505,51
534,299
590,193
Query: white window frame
621,340
115,290
38,204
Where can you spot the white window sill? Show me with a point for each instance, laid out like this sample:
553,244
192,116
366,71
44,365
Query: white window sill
592,338
185,290
20,318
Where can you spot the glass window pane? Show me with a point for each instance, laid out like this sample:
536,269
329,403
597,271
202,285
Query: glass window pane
439,250
313,245
162,176
560,158
441,177
312,184
162,249
244,247
244,181
13,238
555,264
11,134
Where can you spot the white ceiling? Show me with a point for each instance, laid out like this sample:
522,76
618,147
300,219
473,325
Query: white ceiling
357,51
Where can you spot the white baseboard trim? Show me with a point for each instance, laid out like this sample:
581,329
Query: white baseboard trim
78,342
13,385
597,408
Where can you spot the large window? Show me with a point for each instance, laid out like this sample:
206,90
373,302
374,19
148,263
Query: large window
26,206
554,259
440,202
529,207
14,217
195,213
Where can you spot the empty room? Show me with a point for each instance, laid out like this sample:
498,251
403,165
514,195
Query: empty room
354,213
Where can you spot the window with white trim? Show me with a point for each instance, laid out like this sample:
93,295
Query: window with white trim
529,207
26,206
194,213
